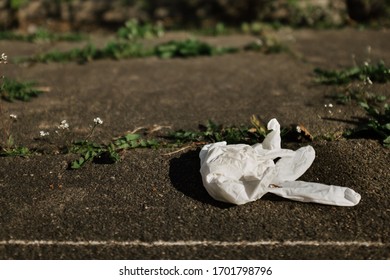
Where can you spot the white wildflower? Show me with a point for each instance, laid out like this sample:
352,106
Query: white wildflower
298,128
97,121
64,125
3,58
368,80
259,42
43,133
13,116
330,105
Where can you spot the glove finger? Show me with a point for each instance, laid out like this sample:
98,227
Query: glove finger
319,193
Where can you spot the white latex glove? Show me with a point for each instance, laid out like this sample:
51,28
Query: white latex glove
241,173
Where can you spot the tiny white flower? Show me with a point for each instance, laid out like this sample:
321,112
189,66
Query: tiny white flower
259,42
63,125
330,105
97,121
369,81
13,116
298,128
43,133
3,58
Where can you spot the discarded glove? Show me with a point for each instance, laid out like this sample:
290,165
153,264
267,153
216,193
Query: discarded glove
241,173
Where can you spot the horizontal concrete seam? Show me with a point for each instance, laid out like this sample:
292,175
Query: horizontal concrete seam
161,243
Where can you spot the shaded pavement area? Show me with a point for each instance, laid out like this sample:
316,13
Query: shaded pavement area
153,206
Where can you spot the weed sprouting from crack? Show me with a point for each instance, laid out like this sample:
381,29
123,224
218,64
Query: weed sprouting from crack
42,35
367,72
252,134
189,48
90,151
128,45
212,132
106,153
133,30
7,142
129,49
377,124
358,92
8,146
11,90
133,49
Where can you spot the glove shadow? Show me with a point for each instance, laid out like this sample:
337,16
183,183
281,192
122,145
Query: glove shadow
185,177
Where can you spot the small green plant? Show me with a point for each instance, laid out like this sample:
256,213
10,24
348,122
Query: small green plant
89,151
248,134
122,50
132,141
212,132
88,53
377,125
11,90
12,150
106,153
42,35
375,73
7,142
189,48
133,30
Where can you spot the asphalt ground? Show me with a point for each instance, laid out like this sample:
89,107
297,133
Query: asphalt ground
153,206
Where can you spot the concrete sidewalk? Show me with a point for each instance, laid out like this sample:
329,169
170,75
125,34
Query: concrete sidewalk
153,206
